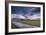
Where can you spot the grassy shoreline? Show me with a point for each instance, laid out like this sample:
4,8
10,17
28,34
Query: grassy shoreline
30,22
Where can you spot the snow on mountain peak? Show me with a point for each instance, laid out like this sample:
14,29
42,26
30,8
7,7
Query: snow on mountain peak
20,16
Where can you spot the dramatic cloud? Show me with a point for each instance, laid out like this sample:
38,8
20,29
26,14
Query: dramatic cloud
25,12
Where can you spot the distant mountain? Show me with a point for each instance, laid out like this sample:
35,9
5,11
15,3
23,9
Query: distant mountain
17,16
20,16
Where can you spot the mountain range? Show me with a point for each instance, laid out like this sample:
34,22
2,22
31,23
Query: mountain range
20,16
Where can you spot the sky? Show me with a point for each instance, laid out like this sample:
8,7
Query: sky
25,10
